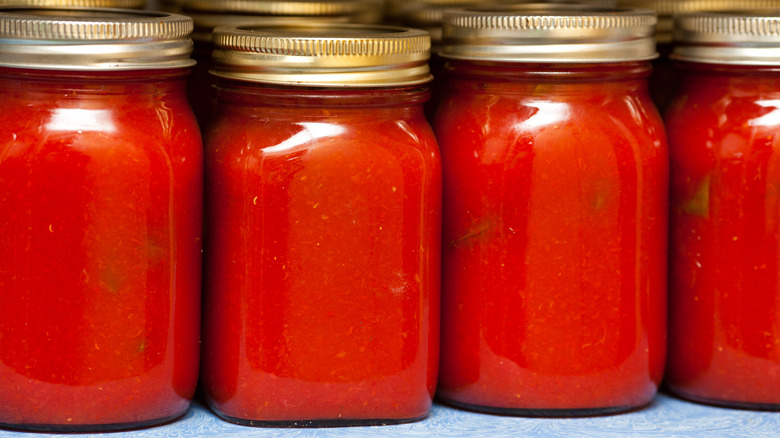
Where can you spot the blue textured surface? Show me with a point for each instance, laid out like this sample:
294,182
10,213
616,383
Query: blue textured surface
667,417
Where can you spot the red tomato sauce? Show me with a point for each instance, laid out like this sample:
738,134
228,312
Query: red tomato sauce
100,213
725,241
554,268
323,270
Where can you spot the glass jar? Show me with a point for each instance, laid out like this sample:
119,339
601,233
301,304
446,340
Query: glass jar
725,224
324,219
428,15
664,80
555,212
209,14
100,206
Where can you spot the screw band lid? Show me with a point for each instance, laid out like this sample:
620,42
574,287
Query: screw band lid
93,39
322,54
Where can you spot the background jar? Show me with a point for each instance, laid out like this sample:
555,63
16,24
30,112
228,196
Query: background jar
555,208
723,131
664,80
209,14
100,200
324,217
428,15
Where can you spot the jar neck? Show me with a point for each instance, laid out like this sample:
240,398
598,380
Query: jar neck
95,82
688,67
747,79
570,82
546,72
279,96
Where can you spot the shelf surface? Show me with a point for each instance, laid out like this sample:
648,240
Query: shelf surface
666,417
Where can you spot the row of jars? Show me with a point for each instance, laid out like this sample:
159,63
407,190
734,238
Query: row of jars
333,215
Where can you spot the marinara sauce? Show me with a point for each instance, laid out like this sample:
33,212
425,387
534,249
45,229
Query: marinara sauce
555,212
100,213
323,221
724,127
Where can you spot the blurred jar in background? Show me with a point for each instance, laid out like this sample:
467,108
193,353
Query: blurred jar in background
209,14
664,80
428,15
723,127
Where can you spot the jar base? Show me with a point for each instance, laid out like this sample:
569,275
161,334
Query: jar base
725,403
91,428
334,422
579,412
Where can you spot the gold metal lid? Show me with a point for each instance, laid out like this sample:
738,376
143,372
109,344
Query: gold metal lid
549,33
601,3
728,37
123,4
93,39
394,9
209,14
206,23
667,8
168,6
323,54
429,14
398,8
671,7
360,11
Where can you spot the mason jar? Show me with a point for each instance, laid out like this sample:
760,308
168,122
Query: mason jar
664,80
210,14
323,222
100,205
555,211
723,124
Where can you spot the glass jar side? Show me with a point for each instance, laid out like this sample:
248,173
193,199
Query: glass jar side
554,267
329,200
101,191
722,128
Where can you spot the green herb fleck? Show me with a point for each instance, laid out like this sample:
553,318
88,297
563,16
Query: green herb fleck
477,230
599,200
699,203
110,279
